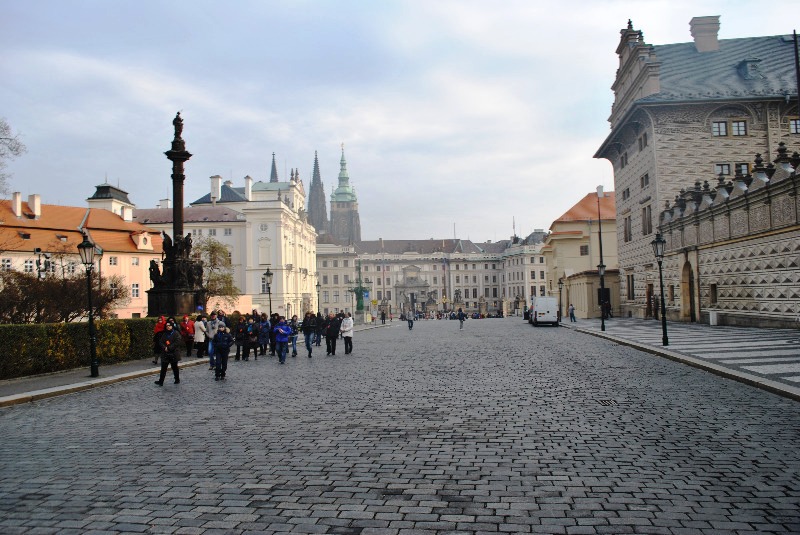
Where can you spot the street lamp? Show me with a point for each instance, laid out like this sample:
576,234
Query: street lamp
87,252
659,244
601,268
319,307
560,287
268,279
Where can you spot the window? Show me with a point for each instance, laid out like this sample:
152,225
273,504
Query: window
135,261
324,279
325,297
112,260
474,293
114,289
335,263
794,126
722,168
623,160
644,180
739,128
212,232
712,294
742,169
541,275
263,285
486,278
626,194
719,128
366,268
672,292
324,263
627,229
584,250
389,281
228,232
458,279
388,294
473,266
347,279
494,266
6,264
336,280
533,291
27,267
345,263
336,296
474,279
71,267
533,274
135,289
541,290
494,279
541,260
435,280
380,280
647,220
199,232
486,292
494,292
642,141
630,289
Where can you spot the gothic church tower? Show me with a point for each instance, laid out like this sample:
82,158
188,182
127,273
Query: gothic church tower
317,212
345,222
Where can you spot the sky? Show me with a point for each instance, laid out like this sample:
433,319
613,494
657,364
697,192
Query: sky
466,119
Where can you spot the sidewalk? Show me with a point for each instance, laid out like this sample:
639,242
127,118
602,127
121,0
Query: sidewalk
764,358
27,389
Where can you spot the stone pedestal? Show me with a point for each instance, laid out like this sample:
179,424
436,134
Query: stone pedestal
175,302
359,317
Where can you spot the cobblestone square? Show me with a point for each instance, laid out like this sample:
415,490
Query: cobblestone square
499,428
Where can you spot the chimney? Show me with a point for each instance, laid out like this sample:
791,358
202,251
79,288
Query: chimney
704,30
248,188
16,203
164,203
35,205
216,188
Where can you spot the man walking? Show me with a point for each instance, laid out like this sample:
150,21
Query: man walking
571,311
309,328
461,318
168,344
332,327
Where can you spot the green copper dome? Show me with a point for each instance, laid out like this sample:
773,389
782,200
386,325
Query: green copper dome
345,192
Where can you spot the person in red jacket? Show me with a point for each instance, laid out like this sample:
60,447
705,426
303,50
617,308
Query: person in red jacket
187,333
157,330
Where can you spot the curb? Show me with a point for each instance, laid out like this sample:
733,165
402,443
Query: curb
45,393
769,385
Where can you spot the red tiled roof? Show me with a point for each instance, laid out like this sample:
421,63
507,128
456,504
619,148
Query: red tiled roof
586,209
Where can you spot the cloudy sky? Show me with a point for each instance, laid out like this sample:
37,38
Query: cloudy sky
457,117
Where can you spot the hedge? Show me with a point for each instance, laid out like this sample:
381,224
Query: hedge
32,349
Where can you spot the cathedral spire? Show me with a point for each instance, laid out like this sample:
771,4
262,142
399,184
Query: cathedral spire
273,176
317,210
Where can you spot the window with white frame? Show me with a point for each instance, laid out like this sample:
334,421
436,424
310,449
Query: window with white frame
722,168
112,260
134,260
27,267
135,289
719,128
5,264
647,220
228,231
794,126
739,128
336,296
325,298
212,232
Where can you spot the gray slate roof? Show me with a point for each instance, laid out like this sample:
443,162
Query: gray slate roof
191,214
686,74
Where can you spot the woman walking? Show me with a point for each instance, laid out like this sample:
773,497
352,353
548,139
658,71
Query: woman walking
200,338
295,332
157,330
347,333
282,333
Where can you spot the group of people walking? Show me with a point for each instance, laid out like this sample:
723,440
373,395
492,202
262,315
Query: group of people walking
214,335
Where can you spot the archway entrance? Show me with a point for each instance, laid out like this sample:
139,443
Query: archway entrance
688,311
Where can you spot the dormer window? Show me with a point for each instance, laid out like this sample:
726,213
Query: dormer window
25,235
749,69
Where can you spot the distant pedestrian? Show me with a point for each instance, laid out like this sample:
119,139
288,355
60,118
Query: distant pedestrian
251,341
240,337
295,326
461,317
410,318
200,337
383,317
187,334
332,327
222,348
347,333
309,328
571,311
320,328
263,333
212,327
157,330
168,342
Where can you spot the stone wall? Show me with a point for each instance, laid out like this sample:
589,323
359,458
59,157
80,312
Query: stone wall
740,242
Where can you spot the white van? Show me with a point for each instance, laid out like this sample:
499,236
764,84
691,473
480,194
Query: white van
544,310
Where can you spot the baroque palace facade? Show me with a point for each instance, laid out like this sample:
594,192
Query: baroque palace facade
690,114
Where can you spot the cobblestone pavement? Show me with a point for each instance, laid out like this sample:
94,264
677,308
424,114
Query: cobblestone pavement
773,354
497,428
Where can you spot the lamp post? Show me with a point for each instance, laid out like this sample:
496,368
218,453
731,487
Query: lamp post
659,244
601,268
268,278
87,251
319,307
560,287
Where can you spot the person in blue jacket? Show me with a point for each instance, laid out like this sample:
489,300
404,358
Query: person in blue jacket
222,346
282,333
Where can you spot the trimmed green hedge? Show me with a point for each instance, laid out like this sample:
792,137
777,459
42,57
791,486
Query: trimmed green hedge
43,348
